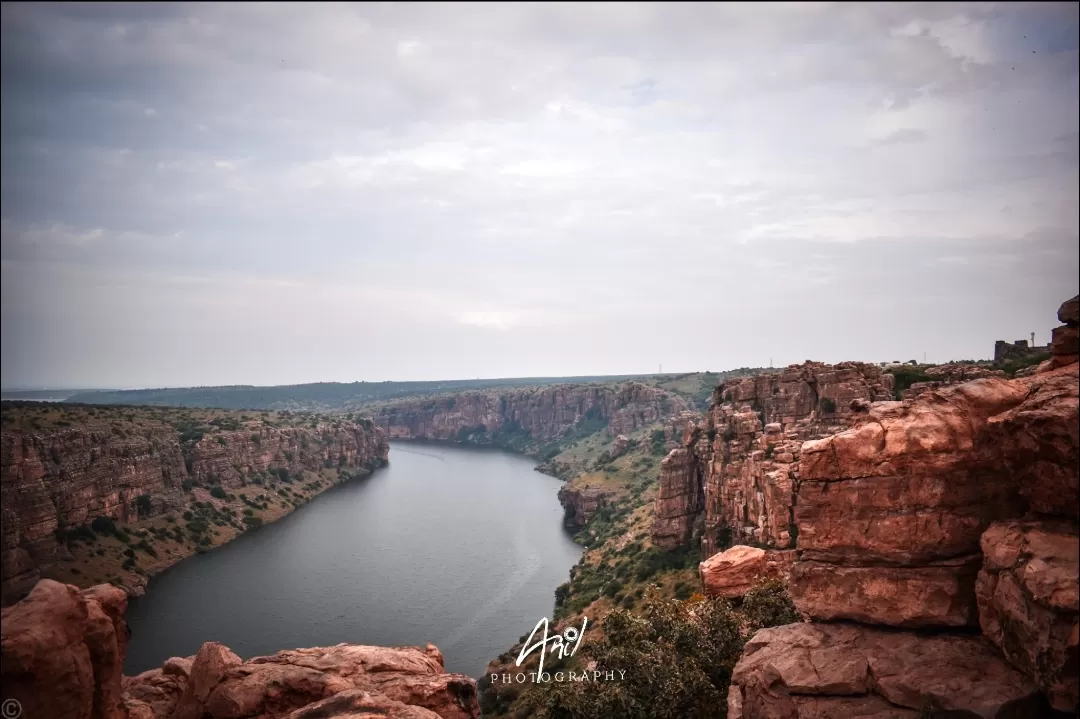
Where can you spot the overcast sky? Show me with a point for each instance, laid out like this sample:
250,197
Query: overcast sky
267,194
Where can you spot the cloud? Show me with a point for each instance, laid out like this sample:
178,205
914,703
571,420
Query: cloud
547,188
905,136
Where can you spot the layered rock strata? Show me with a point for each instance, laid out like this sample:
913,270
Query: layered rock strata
65,477
733,478
580,504
543,413
63,653
954,513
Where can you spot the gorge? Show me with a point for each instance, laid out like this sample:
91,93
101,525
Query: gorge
922,522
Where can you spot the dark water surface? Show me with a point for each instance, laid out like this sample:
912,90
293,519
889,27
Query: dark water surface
455,546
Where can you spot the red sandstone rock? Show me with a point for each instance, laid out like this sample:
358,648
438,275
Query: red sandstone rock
734,572
679,500
207,670
359,704
831,670
62,653
926,596
1038,442
1029,601
747,451
1069,312
580,504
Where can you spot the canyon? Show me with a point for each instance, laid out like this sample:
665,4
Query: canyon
926,532
63,467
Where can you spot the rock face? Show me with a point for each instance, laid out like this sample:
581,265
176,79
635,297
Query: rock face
895,507
733,479
809,671
735,572
543,413
953,509
1065,340
65,477
1028,601
580,504
63,653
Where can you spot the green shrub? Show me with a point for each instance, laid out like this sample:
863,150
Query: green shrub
218,491
253,521
103,525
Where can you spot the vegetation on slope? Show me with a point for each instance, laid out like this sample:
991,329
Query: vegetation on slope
200,515
645,611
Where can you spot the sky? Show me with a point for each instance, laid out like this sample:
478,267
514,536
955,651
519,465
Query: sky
272,193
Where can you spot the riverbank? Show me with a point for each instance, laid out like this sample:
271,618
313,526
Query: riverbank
132,554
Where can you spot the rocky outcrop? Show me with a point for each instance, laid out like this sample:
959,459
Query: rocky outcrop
814,671
63,652
1065,340
580,504
735,572
1029,602
542,414
61,478
896,505
317,682
734,478
955,510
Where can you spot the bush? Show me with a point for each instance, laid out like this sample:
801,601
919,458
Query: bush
144,505
689,657
217,491
103,525
828,405
253,521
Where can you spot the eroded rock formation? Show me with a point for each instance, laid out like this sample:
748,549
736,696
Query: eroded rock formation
734,572
733,479
64,477
543,413
63,654
580,504
954,511
804,671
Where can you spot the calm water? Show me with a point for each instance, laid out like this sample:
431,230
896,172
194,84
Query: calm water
459,547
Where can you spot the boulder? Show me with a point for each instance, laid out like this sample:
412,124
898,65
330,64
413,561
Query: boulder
1028,602
734,572
63,651
847,670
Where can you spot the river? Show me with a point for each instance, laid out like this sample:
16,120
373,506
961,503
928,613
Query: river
460,547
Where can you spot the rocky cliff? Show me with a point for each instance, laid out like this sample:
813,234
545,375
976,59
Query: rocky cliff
733,477
538,415
63,655
937,537
62,467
